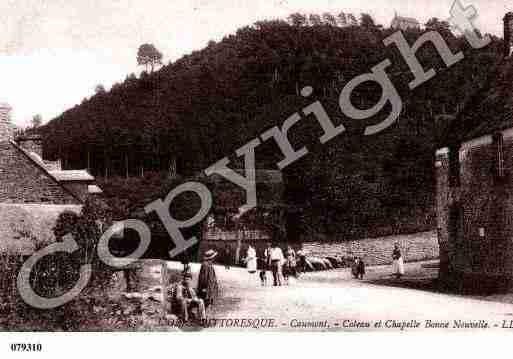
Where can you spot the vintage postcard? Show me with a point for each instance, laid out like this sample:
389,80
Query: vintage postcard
290,166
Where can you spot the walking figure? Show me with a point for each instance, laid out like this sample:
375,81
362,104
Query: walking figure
398,263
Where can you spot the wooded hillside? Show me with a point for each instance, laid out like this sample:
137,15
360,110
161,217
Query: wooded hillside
205,105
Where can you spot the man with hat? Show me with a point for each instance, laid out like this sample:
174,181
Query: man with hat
185,298
208,288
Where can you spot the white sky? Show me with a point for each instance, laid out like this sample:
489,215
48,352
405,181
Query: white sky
54,52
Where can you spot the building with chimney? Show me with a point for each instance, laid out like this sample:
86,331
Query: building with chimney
404,23
33,192
474,171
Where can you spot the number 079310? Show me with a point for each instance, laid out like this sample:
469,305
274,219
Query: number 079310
26,347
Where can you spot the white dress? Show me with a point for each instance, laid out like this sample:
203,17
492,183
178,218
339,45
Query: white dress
251,260
398,266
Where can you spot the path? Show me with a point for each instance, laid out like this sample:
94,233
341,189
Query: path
334,297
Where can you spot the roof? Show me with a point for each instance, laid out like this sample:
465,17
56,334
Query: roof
71,175
401,19
94,189
26,227
488,110
407,19
41,166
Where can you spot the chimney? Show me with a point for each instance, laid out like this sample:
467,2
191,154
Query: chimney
6,127
508,34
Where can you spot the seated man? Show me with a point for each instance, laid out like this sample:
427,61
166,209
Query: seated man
185,299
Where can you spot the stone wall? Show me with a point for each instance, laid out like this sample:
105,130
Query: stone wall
24,181
474,216
378,251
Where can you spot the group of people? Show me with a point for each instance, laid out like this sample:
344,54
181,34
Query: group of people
281,265
358,265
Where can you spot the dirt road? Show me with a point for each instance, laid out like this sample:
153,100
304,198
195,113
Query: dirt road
332,300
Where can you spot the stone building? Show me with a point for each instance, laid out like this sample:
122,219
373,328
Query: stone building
33,192
474,170
404,23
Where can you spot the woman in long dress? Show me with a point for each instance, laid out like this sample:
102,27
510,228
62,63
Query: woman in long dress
251,260
398,263
208,288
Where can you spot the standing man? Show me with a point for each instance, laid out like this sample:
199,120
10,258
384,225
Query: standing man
267,257
277,260
227,256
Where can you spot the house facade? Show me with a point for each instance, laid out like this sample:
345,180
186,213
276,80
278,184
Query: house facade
474,202
33,192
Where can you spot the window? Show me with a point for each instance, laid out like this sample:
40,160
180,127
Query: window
498,143
454,167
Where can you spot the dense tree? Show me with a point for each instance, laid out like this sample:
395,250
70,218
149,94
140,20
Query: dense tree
315,19
99,89
297,19
342,19
149,56
37,120
329,19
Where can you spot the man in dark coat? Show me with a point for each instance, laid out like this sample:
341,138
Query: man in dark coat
227,256
208,288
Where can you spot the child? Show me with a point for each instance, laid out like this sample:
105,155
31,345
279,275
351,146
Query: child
263,273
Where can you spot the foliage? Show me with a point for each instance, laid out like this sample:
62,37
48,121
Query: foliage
202,107
37,121
149,56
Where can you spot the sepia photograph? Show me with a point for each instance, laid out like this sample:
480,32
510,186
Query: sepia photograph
255,166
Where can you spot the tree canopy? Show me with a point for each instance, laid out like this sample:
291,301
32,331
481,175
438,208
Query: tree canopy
149,56
200,108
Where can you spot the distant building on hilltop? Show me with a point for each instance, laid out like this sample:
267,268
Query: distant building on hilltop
404,23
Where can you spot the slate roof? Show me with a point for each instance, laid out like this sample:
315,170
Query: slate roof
39,165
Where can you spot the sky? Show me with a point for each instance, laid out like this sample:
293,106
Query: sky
53,53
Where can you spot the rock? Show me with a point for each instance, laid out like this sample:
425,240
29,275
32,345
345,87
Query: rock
327,263
334,262
309,265
317,263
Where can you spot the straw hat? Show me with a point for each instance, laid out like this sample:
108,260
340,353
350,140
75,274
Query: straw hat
209,255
